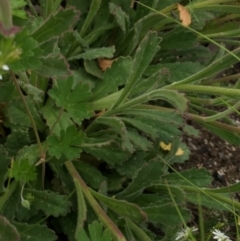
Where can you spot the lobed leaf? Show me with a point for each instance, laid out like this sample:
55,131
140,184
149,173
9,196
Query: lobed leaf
73,99
67,144
96,233
57,121
23,170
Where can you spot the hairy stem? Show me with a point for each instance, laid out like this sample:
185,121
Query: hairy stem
94,204
212,90
42,154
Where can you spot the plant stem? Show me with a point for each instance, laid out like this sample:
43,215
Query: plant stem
223,79
206,90
42,154
94,204
57,120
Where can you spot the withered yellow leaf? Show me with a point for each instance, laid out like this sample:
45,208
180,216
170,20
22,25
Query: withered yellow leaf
184,15
179,152
104,64
168,147
165,147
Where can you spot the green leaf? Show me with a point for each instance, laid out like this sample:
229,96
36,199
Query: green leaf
68,225
35,232
167,214
73,99
132,166
7,230
199,177
143,57
120,16
56,118
154,114
139,141
113,77
92,68
111,154
30,153
56,25
141,235
94,7
54,66
7,91
5,161
209,202
217,66
158,79
143,126
30,52
67,144
223,132
17,114
16,140
138,32
34,92
96,233
176,71
87,172
16,11
104,52
185,39
200,18
117,125
51,203
23,170
154,128
173,97
147,175
121,207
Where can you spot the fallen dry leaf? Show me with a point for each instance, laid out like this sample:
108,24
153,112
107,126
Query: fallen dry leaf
104,64
168,147
165,147
184,15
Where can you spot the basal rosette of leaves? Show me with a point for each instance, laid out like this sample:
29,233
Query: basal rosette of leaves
93,88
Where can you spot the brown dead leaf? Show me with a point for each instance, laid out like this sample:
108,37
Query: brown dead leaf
104,64
184,15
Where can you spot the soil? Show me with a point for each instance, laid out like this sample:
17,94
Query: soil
216,155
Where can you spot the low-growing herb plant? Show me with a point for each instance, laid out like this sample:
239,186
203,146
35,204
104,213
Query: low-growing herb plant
94,98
